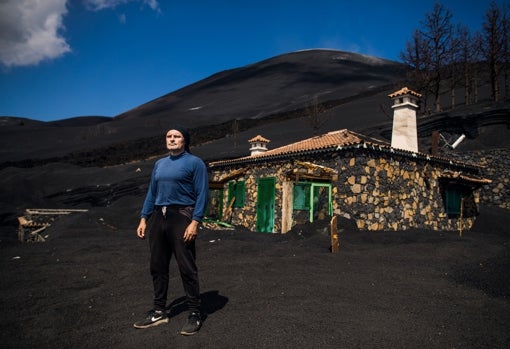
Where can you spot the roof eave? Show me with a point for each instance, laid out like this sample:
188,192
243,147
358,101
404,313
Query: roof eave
362,145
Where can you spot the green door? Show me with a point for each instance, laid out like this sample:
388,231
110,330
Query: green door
265,204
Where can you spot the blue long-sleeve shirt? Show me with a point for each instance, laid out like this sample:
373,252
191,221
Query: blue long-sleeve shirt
178,180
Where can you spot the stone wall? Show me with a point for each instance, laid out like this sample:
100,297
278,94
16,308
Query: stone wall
380,191
391,193
497,168
247,215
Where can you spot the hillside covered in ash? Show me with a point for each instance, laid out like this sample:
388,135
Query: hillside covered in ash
97,161
275,89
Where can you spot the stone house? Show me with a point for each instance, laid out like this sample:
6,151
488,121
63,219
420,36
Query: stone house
343,173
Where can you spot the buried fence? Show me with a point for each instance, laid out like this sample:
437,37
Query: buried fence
34,222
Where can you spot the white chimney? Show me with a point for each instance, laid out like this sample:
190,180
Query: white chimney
258,145
405,131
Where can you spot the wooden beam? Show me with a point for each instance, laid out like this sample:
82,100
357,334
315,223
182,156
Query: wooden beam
233,174
297,176
335,243
313,166
287,203
228,212
53,211
216,185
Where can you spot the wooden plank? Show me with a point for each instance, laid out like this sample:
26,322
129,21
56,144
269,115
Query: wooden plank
23,221
53,211
335,243
287,206
313,166
228,212
233,174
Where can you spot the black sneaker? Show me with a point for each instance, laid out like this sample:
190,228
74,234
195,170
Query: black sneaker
192,325
153,318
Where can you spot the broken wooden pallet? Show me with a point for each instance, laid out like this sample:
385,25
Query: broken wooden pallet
36,220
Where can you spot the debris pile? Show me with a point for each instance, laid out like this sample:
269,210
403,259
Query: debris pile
35,221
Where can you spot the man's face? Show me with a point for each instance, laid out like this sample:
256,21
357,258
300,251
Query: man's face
175,141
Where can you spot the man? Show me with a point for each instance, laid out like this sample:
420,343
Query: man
176,201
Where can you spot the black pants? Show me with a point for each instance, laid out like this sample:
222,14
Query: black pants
166,239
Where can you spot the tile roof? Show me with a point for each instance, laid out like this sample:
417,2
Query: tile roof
330,140
334,141
259,138
404,91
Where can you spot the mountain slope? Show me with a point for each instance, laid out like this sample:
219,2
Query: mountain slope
272,86
279,85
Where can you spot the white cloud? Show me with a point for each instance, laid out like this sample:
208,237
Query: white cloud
30,31
153,4
97,5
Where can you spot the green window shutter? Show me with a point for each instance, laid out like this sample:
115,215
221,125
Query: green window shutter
237,190
453,200
302,196
231,191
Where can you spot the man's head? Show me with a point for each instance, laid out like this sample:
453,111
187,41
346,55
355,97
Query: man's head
177,140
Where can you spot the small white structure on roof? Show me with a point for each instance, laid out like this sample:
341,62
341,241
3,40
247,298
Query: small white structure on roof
258,144
405,132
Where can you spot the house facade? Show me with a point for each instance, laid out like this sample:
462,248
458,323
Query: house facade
346,174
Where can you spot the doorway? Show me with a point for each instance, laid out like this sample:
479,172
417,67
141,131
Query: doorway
265,204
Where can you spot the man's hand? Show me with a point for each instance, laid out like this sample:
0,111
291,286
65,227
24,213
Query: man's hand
191,231
140,231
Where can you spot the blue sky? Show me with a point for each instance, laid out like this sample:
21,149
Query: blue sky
61,59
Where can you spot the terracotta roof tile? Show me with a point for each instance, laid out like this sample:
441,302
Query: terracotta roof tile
337,140
259,138
328,140
334,139
404,91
